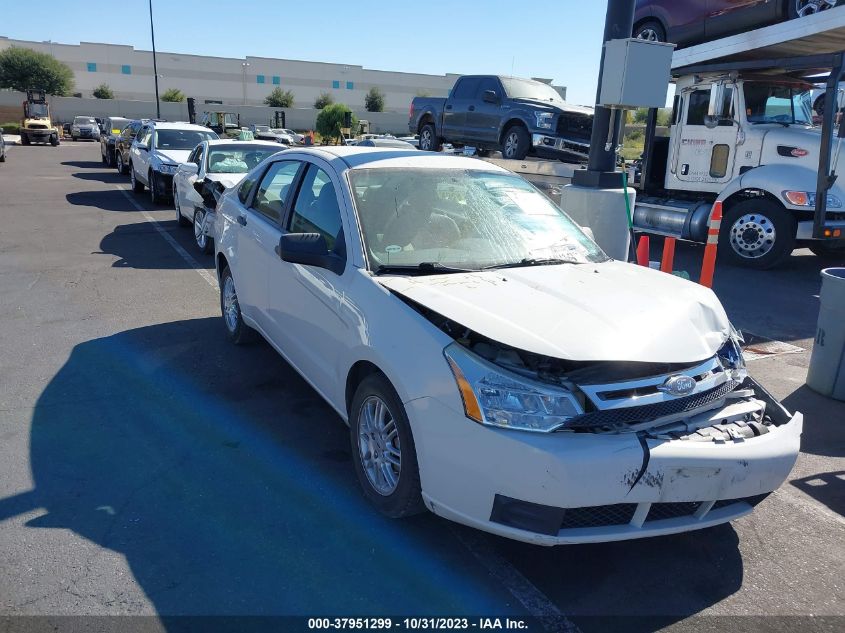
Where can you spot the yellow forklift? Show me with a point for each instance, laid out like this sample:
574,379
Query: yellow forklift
36,126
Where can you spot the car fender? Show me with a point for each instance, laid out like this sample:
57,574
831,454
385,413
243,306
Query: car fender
520,114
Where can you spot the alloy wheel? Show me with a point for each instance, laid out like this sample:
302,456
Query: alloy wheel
511,145
231,309
199,229
425,140
378,445
808,7
649,35
752,236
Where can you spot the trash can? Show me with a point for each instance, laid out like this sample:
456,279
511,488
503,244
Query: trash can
827,363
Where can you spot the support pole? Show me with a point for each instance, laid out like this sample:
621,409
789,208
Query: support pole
618,24
824,183
155,66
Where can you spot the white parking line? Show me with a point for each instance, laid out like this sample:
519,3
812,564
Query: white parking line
193,263
534,600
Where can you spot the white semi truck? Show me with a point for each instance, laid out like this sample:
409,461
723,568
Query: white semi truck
742,133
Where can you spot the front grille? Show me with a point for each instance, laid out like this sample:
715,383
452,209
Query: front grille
617,418
36,126
598,516
575,127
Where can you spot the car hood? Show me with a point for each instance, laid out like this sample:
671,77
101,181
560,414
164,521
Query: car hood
228,180
582,312
174,155
564,107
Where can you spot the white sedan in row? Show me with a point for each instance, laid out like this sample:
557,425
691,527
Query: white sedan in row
222,162
492,363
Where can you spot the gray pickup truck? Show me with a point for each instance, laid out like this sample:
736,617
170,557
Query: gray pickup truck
516,116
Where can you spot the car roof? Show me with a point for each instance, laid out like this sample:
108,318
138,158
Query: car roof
234,141
177,125
354,157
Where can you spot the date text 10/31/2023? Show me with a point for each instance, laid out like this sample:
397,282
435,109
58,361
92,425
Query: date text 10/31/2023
420,623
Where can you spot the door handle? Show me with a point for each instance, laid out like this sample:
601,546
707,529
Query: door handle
472,108
449,107
242,220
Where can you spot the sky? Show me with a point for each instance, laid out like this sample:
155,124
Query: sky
556,39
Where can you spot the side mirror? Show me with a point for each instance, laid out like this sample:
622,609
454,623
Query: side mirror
716,106
189,168
490,96
309,249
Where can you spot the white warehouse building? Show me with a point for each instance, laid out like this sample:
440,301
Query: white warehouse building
129,73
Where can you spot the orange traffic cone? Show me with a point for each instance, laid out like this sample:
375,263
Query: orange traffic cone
642,251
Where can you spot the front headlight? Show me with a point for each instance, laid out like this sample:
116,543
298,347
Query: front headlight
808,199
168,169
730,355
544,120
495,397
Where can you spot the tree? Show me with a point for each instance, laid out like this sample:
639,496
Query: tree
173,95
103,92
24,68
330,120
374,101
279,98
325,99
422,92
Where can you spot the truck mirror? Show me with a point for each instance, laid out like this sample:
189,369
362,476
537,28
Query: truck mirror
717,100
490,96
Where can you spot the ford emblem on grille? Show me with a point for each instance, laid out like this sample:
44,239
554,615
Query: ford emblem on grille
678,385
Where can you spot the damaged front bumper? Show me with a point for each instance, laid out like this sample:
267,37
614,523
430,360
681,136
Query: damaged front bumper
567,487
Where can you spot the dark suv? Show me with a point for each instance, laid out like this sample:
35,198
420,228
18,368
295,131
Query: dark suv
123,144
687,22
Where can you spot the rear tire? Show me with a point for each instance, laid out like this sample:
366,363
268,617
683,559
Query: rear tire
239,332
650,30
515,143
383,451
428,139
757,233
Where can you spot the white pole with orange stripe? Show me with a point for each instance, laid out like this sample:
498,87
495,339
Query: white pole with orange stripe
708,266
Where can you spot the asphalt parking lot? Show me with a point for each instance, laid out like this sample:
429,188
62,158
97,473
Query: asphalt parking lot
148,467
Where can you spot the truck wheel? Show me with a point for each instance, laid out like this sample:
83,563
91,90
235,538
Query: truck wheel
515,143
757,234
482,153
24,139
650,30
54,141
428,139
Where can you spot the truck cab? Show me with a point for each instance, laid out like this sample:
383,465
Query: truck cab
747,140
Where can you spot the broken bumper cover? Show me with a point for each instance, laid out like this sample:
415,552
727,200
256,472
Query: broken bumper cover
582,487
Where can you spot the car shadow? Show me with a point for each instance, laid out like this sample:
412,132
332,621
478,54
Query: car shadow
824,422
139,246
110,177
105,199
226,484
826,488
84,164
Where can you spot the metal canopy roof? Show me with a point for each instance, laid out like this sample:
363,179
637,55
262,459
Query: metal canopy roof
820,37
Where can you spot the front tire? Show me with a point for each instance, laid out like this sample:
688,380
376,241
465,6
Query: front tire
650,30
180,219
24,139
238,331
383,451
515,143
757,233
137,185
119,165
801,8
428,139
54,141
155,194
204,243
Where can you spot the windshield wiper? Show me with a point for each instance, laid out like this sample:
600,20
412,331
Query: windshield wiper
531,261
423,268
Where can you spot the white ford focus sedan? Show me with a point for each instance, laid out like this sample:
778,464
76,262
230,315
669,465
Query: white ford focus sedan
493,364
